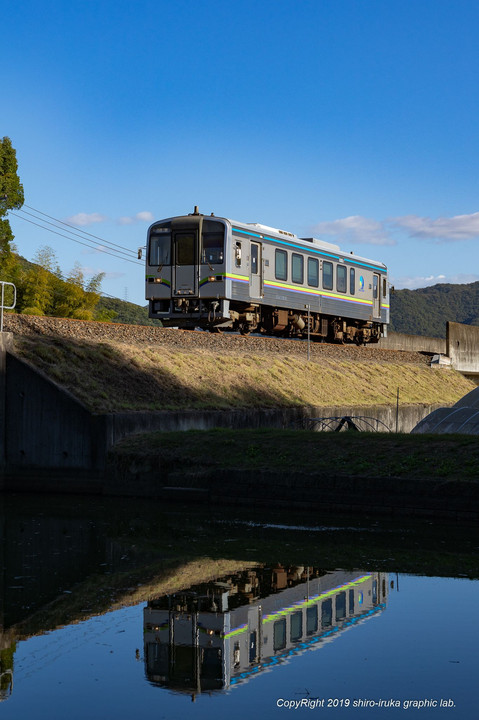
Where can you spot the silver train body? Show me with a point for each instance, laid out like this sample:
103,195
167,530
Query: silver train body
223,633
215,273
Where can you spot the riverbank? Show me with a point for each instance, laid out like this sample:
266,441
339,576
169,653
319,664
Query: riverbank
347,472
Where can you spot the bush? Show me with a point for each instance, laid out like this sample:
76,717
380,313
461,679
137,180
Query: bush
32,311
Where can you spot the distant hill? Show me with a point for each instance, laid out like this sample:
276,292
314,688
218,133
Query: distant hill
426,311
126,312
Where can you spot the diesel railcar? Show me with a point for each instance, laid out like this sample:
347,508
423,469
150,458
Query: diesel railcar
214,273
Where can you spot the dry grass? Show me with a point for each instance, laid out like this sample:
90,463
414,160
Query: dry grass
113,377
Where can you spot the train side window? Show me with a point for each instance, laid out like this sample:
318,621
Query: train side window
341,278
281,265
279,634
327,613
327,275
254,258
340,606
238,254
296,626
311,619
385,287
297,274
313,272
352,281
375,286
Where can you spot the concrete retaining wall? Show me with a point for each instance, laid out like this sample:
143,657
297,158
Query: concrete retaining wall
463,347
413,343
132,475
51,442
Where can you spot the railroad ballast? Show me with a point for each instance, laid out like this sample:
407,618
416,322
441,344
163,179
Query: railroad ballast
219,274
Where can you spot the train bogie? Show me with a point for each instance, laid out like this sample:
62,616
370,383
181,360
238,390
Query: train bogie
215,273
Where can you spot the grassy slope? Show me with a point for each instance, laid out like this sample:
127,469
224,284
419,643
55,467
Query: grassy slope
113,376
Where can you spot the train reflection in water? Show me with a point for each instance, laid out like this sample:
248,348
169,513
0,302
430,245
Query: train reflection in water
221,633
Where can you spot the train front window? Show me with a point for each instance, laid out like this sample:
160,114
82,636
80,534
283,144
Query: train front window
213,243
185,248
160,247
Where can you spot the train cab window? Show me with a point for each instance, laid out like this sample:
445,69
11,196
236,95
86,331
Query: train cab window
281,265
213,243
296,626
160,246
352,281
313,272
279,634
327,275
311,619
297,273
385,288
341,278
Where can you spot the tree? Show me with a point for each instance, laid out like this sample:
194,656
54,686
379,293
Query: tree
11,195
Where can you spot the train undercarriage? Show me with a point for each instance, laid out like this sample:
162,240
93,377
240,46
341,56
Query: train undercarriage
247,318
293,323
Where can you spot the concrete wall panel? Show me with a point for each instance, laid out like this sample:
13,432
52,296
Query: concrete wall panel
463,347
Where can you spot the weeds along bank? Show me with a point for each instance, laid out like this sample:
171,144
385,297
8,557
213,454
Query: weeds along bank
120,368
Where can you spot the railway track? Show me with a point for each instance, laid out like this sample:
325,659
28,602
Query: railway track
188,341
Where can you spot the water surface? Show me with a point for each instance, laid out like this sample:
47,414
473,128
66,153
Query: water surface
181,613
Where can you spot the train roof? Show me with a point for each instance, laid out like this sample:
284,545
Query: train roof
261,230
304,242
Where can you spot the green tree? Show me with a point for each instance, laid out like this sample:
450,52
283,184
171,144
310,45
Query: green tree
11,195
40,284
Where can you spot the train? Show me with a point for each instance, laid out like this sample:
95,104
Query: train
222,633
214,273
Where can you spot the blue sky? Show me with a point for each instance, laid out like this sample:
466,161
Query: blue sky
353,120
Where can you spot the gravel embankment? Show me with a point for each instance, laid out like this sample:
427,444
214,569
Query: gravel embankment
187,341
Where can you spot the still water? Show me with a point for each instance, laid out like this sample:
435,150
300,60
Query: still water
111,610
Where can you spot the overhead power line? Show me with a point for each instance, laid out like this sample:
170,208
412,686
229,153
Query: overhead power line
84,232
113,253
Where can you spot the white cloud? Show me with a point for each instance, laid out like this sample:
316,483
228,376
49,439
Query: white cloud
144,216
413,283
83,219
90,272
356,229
459,227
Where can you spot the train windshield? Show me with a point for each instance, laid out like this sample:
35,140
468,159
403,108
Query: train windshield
160,246
213,243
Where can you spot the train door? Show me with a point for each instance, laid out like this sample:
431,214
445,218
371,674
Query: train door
256,271
376,297
185,261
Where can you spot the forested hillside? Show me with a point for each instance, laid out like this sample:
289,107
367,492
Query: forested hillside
426,311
